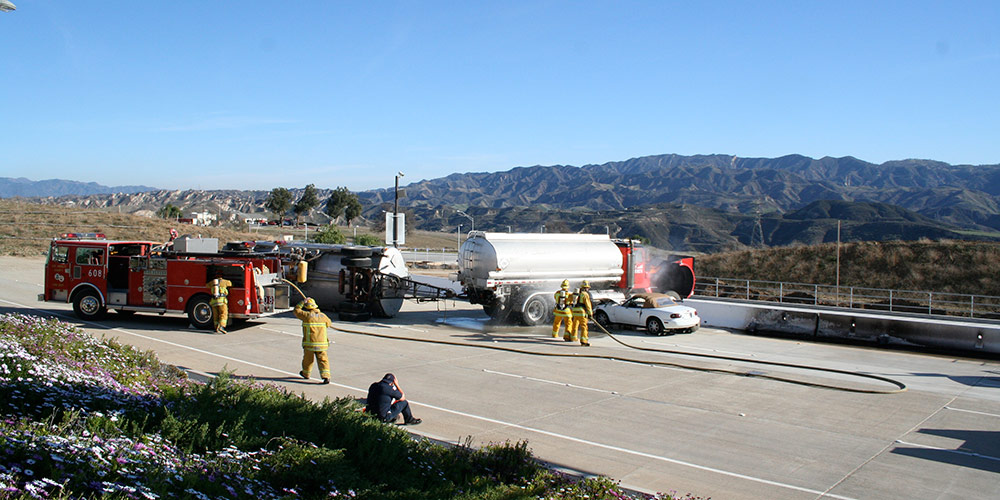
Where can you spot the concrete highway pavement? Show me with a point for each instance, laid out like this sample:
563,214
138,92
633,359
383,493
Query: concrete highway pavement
689,427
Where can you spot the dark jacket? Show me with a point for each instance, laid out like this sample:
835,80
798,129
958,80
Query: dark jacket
381,394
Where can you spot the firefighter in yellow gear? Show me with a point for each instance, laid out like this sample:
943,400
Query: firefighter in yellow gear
570,335
314,339
582,312
562,312
219,288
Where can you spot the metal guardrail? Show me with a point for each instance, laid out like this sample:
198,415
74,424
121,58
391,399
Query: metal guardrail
853,297
429,255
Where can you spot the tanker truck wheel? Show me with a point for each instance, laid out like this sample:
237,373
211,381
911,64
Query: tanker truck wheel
354,316
356,261
492,310
536,311
356,252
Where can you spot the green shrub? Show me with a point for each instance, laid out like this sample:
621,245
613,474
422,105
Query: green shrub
330,235
367,240
108,421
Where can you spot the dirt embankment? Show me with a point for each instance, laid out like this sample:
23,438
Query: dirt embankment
27,228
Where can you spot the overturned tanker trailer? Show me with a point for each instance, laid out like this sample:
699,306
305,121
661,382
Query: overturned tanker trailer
357,282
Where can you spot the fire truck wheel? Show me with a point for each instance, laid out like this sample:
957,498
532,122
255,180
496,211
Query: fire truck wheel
356,261
355,316
200,313
357,252
87,305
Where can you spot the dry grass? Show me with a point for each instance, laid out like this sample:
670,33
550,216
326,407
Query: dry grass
942,266
968,267
26,228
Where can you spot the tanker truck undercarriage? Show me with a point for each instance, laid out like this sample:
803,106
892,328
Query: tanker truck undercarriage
357,282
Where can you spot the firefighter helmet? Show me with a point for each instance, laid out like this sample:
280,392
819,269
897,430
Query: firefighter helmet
309,304
565,284
585,284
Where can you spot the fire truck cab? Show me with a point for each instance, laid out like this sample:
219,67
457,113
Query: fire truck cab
95,274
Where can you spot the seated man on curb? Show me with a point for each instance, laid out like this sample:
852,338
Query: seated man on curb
386,401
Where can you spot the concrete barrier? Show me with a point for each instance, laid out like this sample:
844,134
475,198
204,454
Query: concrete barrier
829,323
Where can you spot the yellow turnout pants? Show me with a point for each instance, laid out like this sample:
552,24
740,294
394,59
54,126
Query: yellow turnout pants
321,359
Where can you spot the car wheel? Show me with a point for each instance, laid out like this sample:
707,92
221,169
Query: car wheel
654,326
536,310
88,306
200,313
602,319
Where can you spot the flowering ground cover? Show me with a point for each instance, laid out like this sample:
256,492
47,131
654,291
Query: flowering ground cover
87,418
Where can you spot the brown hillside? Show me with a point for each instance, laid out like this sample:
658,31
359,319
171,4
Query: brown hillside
941,266
26,228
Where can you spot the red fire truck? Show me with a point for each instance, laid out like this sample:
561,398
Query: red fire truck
96,274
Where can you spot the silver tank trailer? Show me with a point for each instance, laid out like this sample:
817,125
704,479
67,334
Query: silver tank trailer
518,273
328,264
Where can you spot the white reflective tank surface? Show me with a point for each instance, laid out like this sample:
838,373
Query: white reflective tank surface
538,256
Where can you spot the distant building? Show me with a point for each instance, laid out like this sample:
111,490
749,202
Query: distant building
205,218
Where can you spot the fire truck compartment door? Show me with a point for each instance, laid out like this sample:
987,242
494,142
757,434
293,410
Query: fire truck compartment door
117,298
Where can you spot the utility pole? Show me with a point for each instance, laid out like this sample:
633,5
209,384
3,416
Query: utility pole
395,213
838,262
463,214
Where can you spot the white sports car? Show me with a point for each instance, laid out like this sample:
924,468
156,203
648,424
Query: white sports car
658,313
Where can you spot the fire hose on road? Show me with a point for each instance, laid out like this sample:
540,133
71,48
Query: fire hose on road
900,387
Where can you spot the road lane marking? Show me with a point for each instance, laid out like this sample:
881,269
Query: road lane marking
950,450
297,335
485,419
553,382
971,411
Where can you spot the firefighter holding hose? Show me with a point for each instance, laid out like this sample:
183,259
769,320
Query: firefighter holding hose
314,339
562,312
219,288
582,312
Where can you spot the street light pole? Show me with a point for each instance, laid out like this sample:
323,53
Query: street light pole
458,236
459,212
395,211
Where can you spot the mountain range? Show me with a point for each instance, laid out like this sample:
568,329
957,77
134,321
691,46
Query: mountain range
691,203
12,187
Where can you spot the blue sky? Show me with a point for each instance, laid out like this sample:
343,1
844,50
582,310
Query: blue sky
254,95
